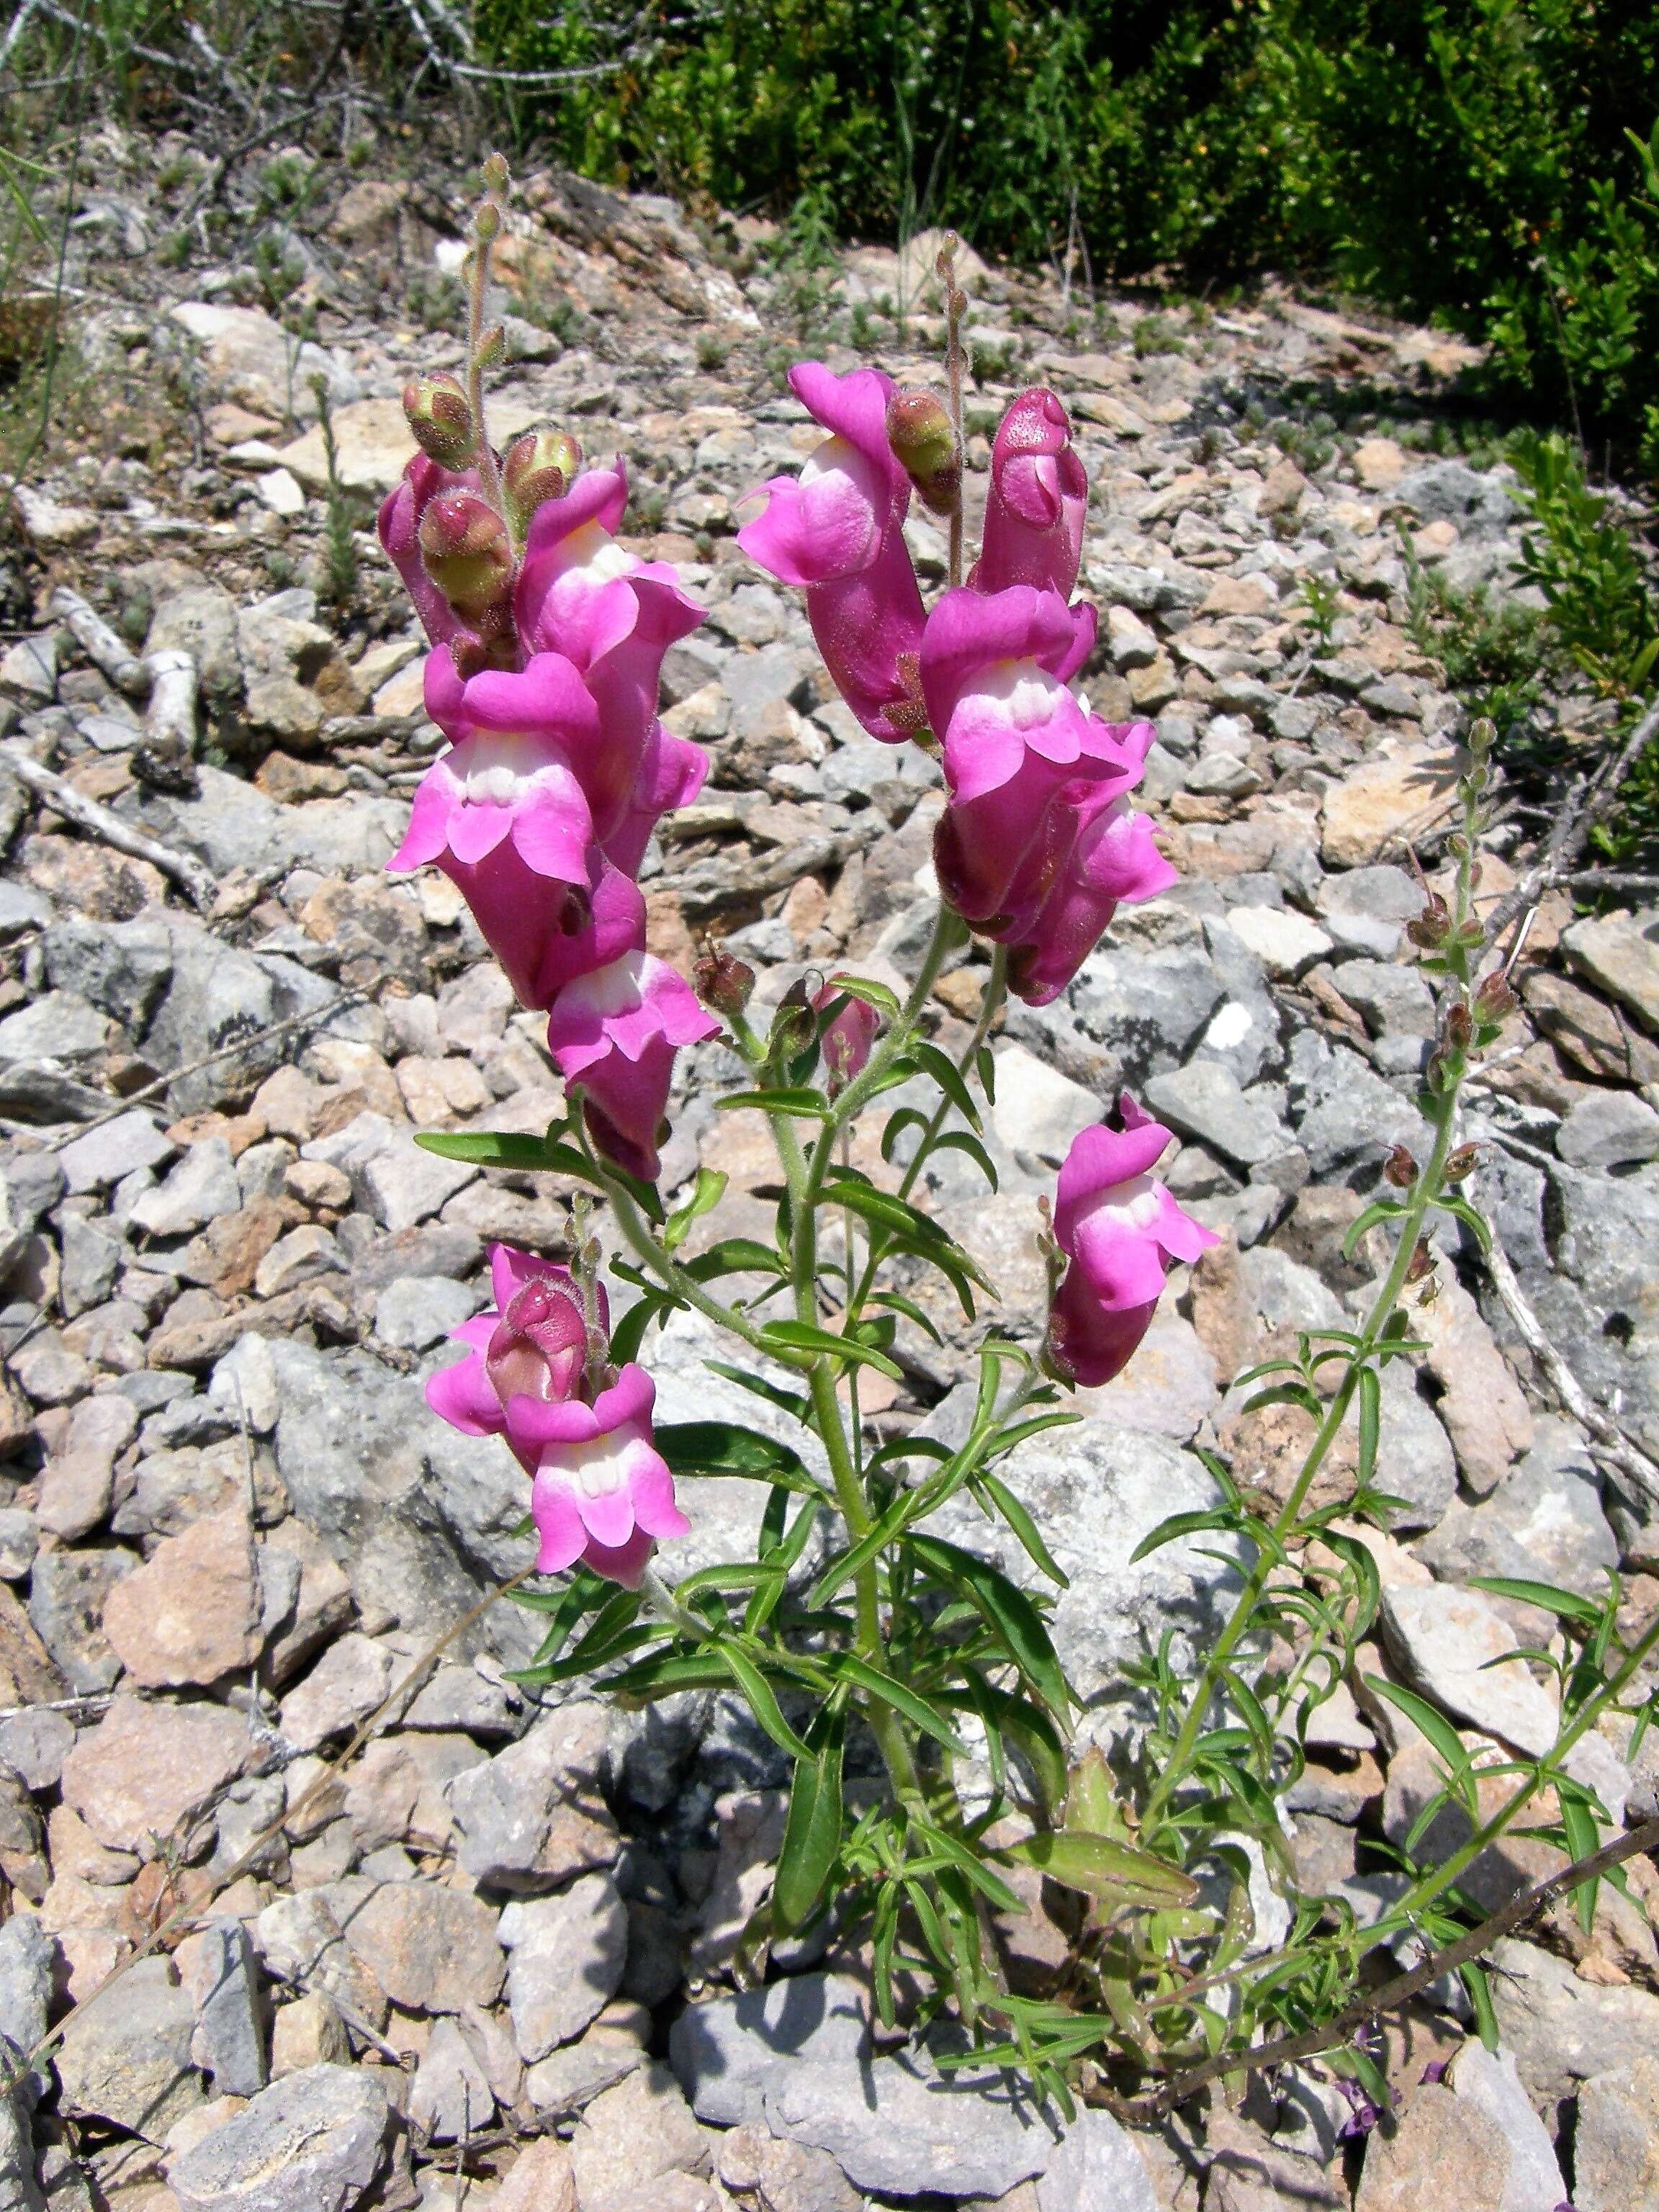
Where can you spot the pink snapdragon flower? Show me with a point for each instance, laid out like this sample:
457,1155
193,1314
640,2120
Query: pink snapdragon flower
844,1045
995,675
612,615
600,1492
1035,508
616,1032
1119,1228
512,773
837,530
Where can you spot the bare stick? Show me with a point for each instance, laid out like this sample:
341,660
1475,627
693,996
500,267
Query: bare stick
1392,1994
87,814
170,722
106,651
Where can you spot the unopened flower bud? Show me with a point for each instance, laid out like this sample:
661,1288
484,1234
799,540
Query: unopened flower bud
1494,1001
1463,1162
537,467
848,1036
441,420
487,223
1483,736
921,434
492,344
1430,929
1460,1028
724,984
496,175
1401,1168
465,550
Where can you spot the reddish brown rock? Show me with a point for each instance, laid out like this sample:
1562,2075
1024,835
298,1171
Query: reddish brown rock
191,1614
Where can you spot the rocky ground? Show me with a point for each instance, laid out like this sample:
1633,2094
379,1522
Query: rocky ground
228,1525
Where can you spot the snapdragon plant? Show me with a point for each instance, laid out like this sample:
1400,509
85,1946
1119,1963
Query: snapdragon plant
855,1625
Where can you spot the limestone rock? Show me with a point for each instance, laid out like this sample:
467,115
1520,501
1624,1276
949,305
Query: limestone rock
190,1613
312,2142
127,2058
1616,2146
533,1815
565,1958
146,1769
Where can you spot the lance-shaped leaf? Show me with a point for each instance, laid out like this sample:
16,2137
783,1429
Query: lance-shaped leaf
811,1834
723,1447
1006,1610
1113,1873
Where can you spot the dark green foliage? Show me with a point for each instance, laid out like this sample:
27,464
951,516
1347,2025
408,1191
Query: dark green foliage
1484,162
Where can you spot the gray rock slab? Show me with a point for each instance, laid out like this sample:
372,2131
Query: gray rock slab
900,2125
1564,2030
1488,2081
1096,1491
1612,1129
533,1815
1616,2143
727,2052
311,2142
565,1958
1097,2168
128,2059
1206,1102
1444,1639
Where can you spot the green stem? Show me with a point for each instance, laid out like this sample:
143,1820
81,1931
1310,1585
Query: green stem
1426,1190
637,1234
1429,1886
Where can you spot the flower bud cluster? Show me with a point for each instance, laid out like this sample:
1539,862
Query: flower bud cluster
548,639
1038,844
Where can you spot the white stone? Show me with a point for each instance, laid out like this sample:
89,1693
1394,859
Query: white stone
1285,942
281,492
199,1190
1037,1109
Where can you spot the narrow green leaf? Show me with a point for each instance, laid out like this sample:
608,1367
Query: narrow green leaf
963,1140
872,993
1476,1980
775,1394
944,1071
812,1830
791,1337
898,1121
734,1255
1007,1609
1455,1203
708,1192
1380,1209
999,1495
805,1105
849,1668
1566,1604
1429,1720
723,1447
1178,1525
1371,1423
629,1333
1112,1873
762,1702
496,1148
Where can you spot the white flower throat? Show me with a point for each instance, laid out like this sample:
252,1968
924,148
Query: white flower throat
596,1469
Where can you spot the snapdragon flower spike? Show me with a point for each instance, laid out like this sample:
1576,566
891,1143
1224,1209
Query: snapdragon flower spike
615,1032
1119,1228
995,676
600,1492
1035,508
838,531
